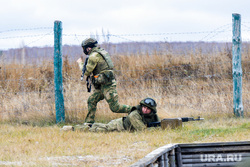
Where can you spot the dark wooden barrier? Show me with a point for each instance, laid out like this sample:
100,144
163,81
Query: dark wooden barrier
225,154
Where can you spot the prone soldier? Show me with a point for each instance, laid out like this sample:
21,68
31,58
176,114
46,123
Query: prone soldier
138,119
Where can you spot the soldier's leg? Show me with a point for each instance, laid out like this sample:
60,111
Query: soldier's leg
111,96
98,127
92,103
83,127
114,125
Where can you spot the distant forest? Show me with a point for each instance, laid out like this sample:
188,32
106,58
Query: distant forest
72,52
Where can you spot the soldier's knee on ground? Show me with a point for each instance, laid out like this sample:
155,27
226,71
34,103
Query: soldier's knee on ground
83,128
98,127
116,125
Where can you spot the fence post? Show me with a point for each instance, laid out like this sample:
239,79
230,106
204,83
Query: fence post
237,69
58,80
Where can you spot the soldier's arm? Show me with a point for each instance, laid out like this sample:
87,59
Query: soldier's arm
158,119
136,120
92,62
80,63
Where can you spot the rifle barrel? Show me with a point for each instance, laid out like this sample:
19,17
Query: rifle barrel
186,119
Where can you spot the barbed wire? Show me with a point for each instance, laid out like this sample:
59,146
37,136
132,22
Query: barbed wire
118,36
26,36
27,92
110,34
148,34
246,26
50,33
77,38
124,36
36,36
26,29
216,32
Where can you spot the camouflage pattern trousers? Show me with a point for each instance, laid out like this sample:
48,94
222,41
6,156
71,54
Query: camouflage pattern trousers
114,125
109,93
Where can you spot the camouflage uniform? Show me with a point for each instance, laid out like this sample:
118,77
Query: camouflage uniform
101,66
135,121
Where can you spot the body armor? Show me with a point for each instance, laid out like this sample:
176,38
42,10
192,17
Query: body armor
106,57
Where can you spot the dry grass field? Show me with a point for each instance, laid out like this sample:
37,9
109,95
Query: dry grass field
23,145
195,84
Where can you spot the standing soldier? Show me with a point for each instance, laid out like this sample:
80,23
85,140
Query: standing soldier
101,66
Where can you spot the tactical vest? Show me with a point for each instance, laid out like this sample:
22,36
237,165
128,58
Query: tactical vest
103,65
152,117
106,57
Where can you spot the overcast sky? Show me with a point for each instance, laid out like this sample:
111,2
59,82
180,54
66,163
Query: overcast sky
163,20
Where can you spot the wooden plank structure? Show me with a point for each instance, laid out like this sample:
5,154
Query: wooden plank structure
227,154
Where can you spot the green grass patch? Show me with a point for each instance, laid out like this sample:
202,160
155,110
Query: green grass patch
213,131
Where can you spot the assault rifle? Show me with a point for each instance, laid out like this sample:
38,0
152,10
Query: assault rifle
172,122
88,77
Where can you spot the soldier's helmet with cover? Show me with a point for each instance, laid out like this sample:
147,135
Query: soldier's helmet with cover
88,42
150,103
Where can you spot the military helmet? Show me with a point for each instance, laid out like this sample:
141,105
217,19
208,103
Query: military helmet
89,42
150,103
